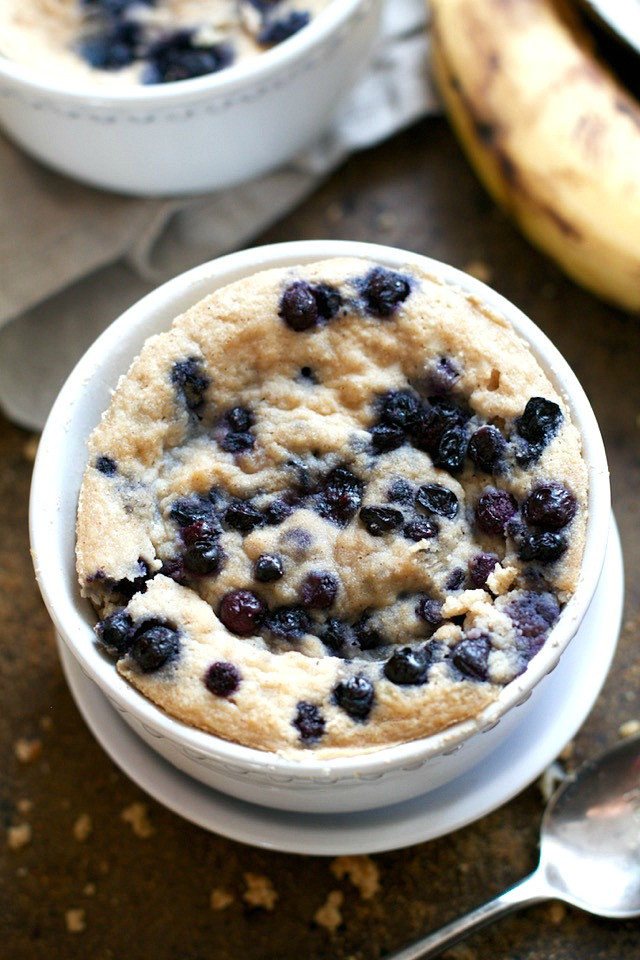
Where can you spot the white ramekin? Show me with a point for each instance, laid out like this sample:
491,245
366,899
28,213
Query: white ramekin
197,135
345,784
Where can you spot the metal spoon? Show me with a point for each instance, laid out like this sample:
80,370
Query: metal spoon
589,851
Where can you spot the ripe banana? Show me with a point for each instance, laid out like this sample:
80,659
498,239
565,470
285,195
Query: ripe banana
552,134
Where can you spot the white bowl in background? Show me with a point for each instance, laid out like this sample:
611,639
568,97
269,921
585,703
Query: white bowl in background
345,784
196,135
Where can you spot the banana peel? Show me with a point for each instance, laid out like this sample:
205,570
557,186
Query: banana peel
550,131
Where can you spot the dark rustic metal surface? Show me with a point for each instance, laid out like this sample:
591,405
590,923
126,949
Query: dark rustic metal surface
77,880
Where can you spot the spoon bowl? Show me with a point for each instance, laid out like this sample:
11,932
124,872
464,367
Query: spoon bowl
589,851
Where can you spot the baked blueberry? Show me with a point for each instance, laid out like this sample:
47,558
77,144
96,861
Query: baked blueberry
399,407
106,465
242,612
275,31
204,557
288,623
487,448
544,546
154,645
549,506
118,45
383,291
115,633
451,450
408,666
401,491
367,636
303,305
244,516
471,656
355,696
309,722
436,417
179,56
339,496
438,499
191,382
238,419
319,590
535,428
380,520
494,509
222,678
420,528
338,636
429,610
481,566
268,567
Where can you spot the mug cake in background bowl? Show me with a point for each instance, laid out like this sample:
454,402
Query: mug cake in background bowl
169,97
318,518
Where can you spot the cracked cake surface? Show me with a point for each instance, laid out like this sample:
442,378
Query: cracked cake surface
334,508
117,42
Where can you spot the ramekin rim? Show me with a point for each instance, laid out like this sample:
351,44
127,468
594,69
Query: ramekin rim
216,272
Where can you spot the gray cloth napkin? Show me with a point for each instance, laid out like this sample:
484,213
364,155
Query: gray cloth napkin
73,258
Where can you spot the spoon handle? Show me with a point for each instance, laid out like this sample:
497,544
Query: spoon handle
530,890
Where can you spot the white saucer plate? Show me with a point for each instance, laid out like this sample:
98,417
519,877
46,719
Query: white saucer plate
569,693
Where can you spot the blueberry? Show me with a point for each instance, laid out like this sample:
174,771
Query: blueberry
387,436
429,610
309,375
238,419
438,499
451,450
204,557
178,56
355,696
319,590
481,566
288,623
115,633
154,645
268,567
471,656
380,520
442,376
399,407
106,465
309,722
401,491
337,635
339,496
242,612
117,46
494,510
222,678
191,381
303,306
456,579
546,547
435,418
242,515
366,635
537,425
383,291
234,442
113,8
486,448
422,528
189,511
278,510
278,30
407,666
533,615
540,420
550,506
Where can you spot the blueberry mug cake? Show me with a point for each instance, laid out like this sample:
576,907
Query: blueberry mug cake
146,41
334,508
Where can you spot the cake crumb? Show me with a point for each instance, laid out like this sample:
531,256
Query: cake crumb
551,779
136,815
329,915
19,835
75,920
220,899
27,751
361,870
629,728
480,270
556,912
83,827
259,892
